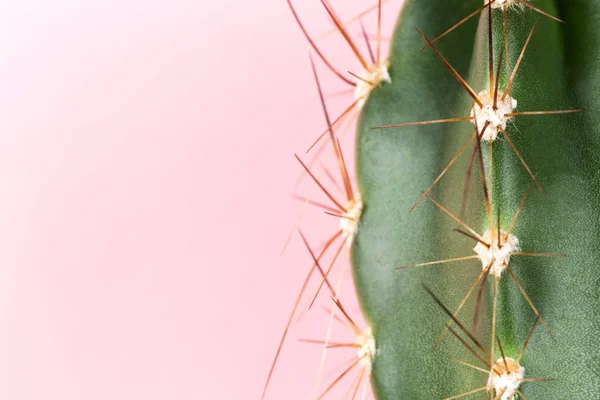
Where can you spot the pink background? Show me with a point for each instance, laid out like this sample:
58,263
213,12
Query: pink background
146,162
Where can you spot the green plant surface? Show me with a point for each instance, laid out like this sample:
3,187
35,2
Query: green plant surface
393,166
563,152
560,71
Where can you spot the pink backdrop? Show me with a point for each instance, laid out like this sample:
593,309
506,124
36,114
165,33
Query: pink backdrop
146,162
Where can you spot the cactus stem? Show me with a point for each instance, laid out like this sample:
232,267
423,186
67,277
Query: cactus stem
489,111
493,249
505,375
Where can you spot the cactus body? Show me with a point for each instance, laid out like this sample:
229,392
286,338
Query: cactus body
560,70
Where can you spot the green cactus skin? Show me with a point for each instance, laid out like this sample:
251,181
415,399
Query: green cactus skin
561,70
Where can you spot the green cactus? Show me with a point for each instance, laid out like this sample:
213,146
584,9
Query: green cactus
478,174
559,71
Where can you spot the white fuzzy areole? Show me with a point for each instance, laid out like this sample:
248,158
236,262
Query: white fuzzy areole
500,254
349,220
367,350
496,118
373,77
505,379
502,3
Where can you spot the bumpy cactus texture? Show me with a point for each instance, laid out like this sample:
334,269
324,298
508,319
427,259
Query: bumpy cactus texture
560,70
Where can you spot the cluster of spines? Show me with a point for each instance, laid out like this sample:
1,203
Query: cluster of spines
493,108
490,113
373,72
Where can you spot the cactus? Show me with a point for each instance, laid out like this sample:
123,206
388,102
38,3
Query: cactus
468,255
